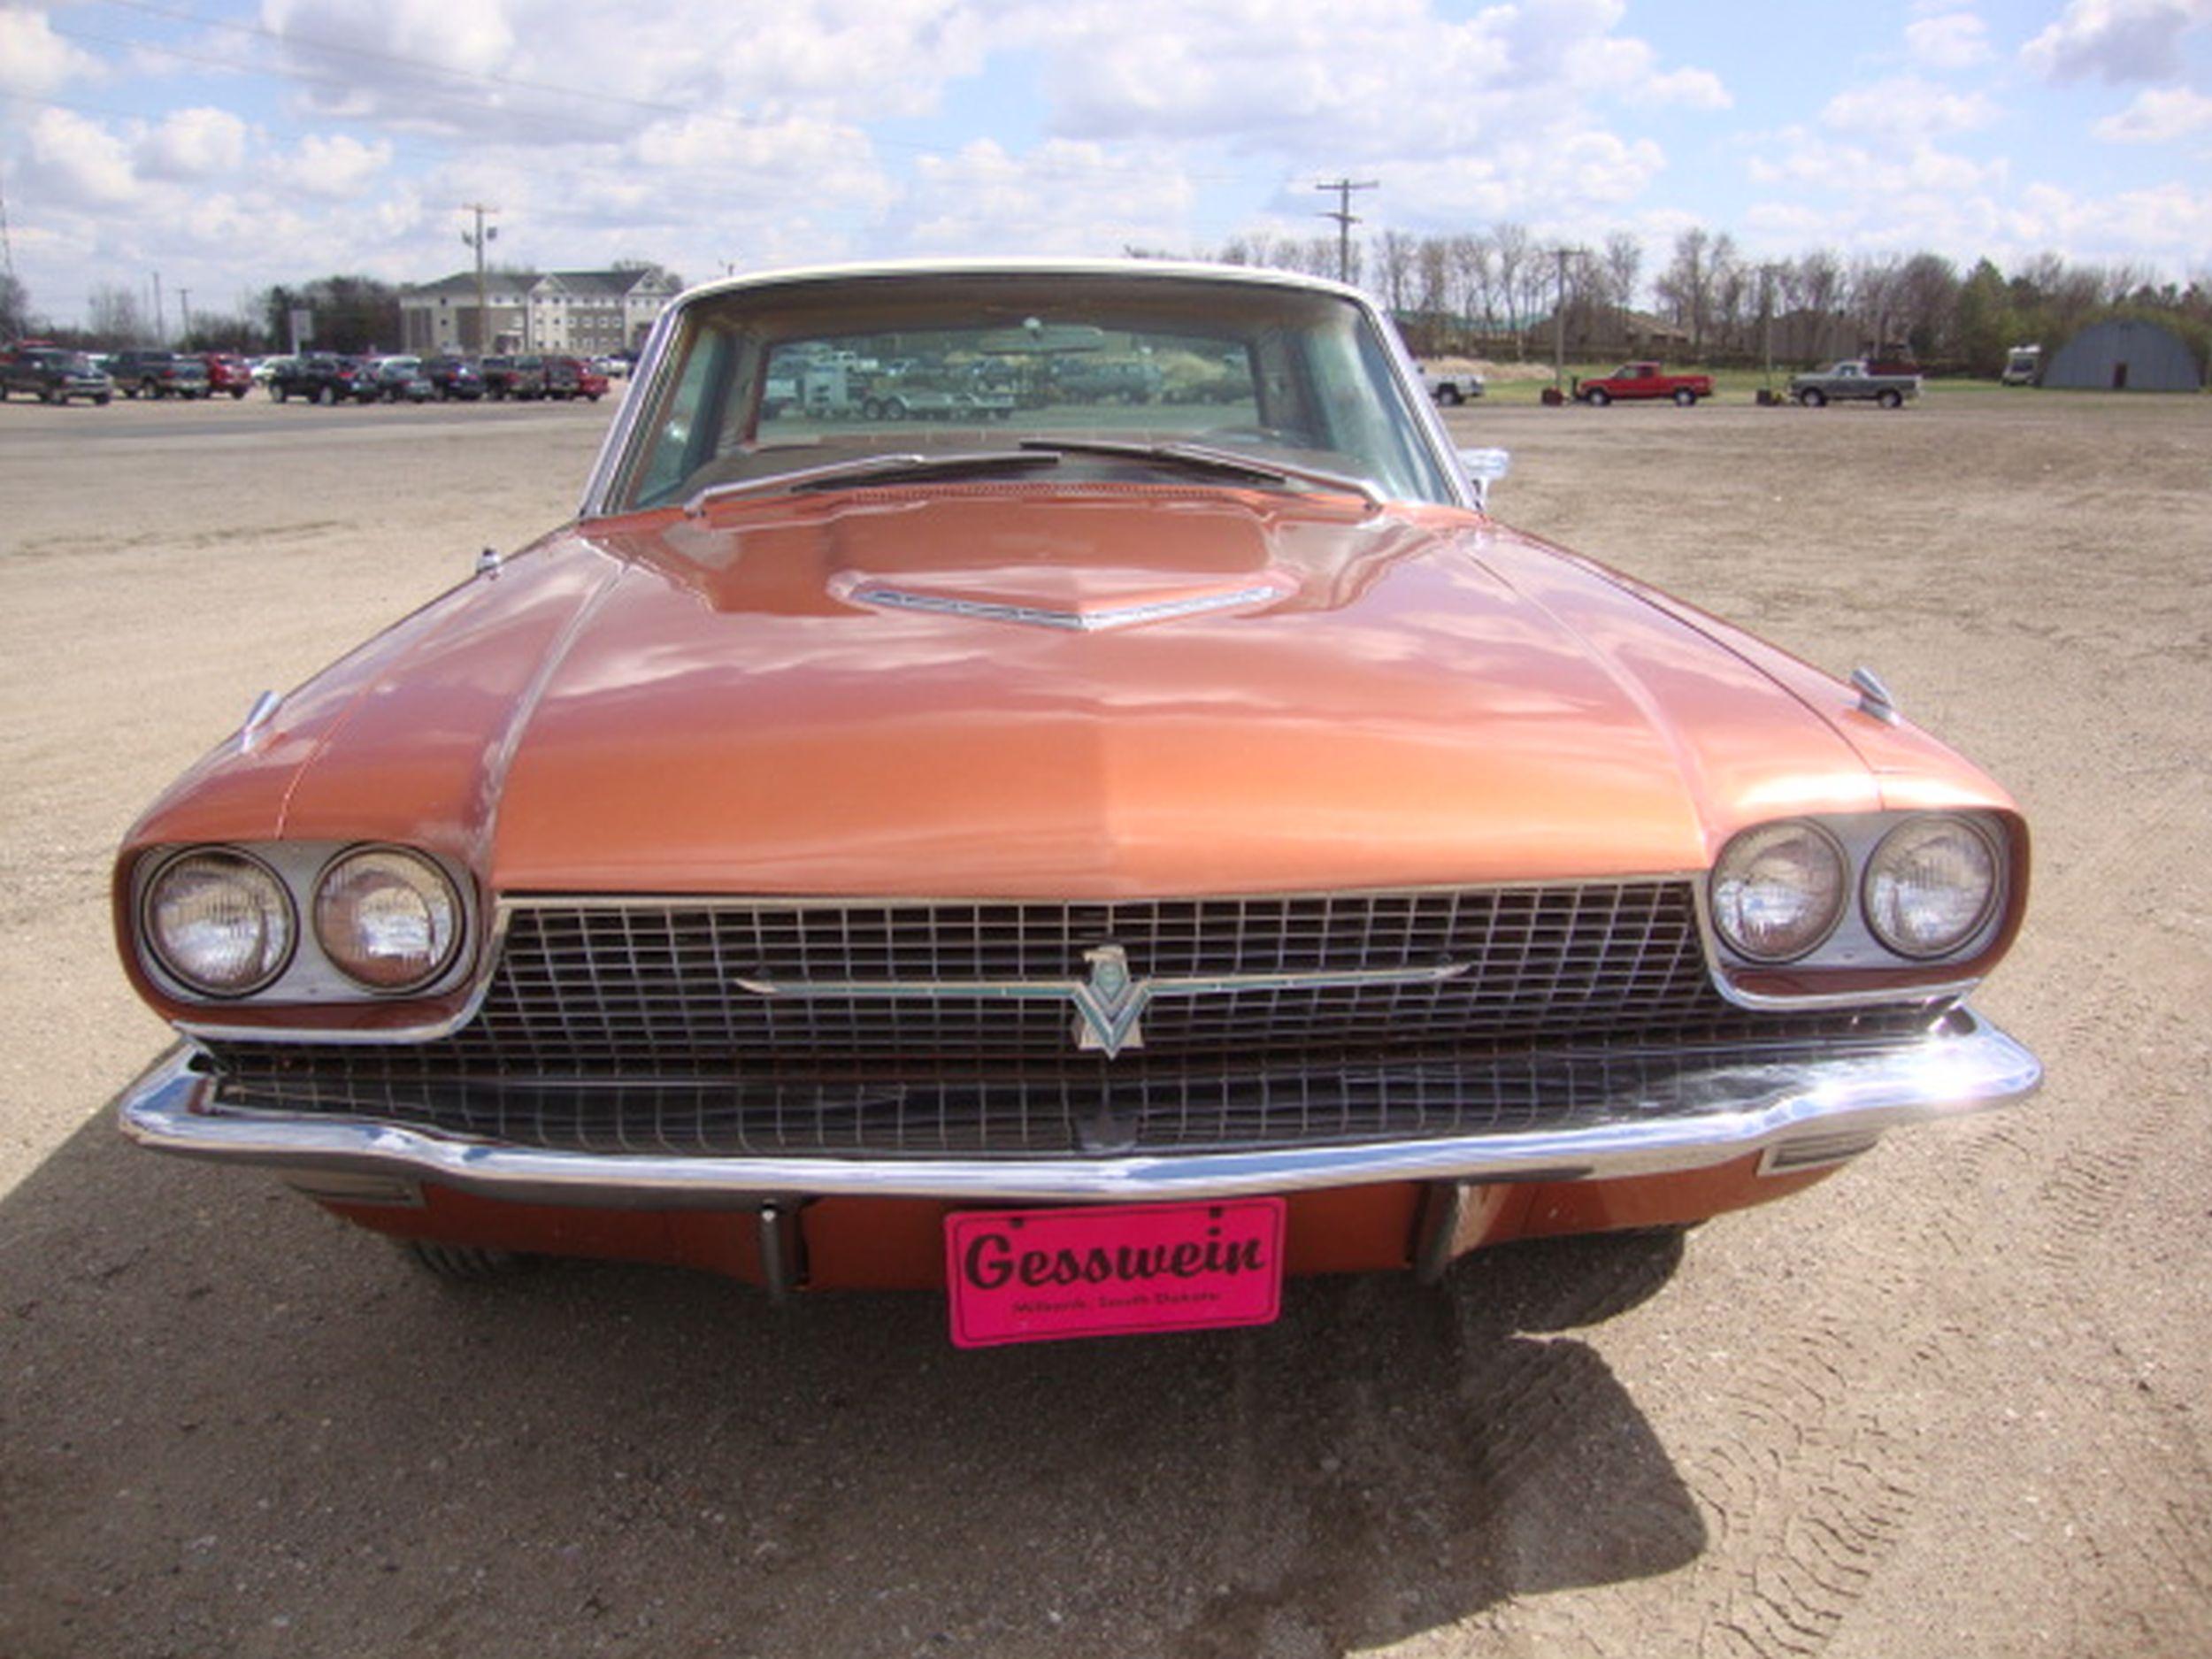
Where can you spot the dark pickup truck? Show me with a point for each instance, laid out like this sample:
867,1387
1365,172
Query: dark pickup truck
52,375
159,374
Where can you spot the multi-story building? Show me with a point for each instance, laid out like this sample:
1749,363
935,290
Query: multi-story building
585,313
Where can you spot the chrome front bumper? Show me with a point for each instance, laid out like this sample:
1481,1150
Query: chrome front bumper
1797,1115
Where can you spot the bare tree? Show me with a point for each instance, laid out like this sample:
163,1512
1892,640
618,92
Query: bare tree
1510,244
1434,275
1876,285
1395,262
1623,264
15,306
1474,276
113,316
1686,286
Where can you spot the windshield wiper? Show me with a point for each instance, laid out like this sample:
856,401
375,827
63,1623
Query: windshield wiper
1205,459
875,468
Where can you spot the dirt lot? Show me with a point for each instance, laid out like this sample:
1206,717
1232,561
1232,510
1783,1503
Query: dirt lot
1954,1402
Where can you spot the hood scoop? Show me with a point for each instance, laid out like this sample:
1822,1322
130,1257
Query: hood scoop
1046,599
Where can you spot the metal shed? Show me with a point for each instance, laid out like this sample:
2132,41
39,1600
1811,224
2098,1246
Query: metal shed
2126,356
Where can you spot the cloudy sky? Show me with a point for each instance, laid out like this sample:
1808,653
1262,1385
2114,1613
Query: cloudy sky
229,144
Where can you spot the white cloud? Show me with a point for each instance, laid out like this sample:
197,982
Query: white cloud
190,145
1906,111
1064,197
2118,42
335,168
38,60
2159,115
1955,40
78,163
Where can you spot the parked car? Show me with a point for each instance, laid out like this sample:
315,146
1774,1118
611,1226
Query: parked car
522,377
1087,875
227,372
401,380
142,373
1451,387
571,378
1853,381
1642,383
454,378
52,375
324,376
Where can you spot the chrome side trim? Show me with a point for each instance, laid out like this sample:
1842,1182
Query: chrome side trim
1970,1067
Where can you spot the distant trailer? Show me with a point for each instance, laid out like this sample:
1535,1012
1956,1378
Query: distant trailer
2125,355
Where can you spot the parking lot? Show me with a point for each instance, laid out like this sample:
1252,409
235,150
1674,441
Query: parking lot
1952,1402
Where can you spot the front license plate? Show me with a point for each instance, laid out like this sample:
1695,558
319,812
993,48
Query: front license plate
1033,1275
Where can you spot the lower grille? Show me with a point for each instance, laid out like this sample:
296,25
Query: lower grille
627,1026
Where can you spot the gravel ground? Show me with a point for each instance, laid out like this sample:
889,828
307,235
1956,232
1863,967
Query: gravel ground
1953,1401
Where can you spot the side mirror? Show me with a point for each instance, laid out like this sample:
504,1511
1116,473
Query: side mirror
1485,467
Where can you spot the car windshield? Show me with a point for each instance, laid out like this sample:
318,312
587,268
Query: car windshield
1125,373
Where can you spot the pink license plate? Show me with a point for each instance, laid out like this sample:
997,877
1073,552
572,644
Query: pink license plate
1033,1275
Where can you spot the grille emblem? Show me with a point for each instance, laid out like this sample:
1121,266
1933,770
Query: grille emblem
1110,1002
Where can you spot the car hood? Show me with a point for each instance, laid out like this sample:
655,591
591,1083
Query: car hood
1005,690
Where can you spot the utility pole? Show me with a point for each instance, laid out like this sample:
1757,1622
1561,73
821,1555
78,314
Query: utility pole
477,239
184,313
1559,316
161,324
1345,219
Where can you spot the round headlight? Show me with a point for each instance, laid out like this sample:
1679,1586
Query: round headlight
387,919
219,923
1930,885
1778,890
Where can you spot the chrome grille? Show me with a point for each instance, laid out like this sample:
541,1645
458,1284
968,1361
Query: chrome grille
615,1026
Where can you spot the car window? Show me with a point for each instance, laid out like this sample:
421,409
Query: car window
762,382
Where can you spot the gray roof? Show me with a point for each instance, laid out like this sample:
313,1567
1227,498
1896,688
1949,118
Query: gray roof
605,284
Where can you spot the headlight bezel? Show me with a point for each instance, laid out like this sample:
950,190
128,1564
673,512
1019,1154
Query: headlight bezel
1854,964
310,975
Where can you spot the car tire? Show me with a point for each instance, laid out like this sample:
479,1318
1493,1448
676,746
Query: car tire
1890,397
871,408
1684,397
1813,398
894,409
1597,397
100,399
237,392
1449,396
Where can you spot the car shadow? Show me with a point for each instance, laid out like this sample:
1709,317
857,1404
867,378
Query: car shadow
234,1425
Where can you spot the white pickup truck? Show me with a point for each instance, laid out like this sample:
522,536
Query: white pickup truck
1853,378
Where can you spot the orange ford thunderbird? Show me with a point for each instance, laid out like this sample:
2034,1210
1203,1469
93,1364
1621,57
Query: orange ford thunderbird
1045,783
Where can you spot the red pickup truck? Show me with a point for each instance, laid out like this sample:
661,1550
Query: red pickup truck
1643,380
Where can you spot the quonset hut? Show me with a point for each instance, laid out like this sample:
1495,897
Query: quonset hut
2124,355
